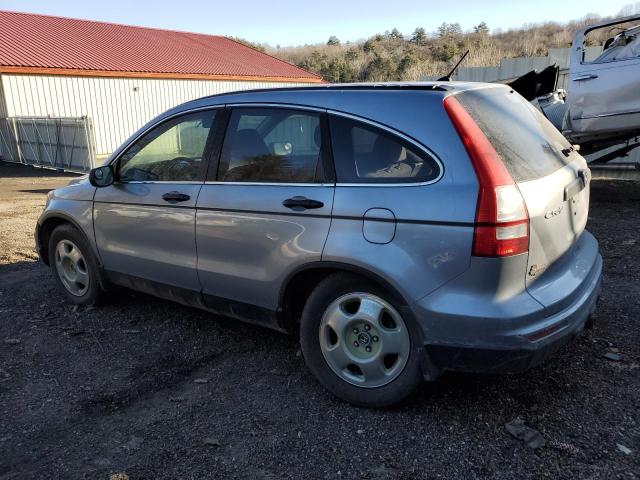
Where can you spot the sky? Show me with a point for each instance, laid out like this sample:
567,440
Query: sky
289,22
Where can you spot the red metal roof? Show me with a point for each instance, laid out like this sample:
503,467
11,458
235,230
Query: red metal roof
31,43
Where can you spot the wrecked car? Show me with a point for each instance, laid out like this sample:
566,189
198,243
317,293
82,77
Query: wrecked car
601,106
603,98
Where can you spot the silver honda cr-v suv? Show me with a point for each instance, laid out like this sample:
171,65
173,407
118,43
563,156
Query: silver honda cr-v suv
403,230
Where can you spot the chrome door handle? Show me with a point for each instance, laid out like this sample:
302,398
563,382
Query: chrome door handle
174,197
589,76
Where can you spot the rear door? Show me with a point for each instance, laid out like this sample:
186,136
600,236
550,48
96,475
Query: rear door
268,208
145,222
553,180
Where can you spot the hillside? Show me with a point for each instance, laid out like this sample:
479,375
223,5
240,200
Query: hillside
397,56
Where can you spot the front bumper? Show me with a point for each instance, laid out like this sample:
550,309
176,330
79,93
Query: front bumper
39,248
494,346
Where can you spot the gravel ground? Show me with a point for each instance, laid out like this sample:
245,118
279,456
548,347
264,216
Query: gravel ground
157,390
22,197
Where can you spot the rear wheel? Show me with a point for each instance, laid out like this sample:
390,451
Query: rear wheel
74,266
357,343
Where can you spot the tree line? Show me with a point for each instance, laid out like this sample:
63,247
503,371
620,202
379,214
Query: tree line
394,55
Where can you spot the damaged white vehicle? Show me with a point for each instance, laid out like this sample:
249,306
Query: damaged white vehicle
603,98
601,106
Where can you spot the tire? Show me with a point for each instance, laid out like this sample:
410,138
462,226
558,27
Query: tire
347,300
74,267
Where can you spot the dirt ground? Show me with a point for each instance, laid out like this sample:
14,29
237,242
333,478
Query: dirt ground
158,391
22,197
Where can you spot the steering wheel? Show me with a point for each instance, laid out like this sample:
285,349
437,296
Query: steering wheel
182,167
181,162
139,174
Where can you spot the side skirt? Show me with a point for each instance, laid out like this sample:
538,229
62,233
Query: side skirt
244,312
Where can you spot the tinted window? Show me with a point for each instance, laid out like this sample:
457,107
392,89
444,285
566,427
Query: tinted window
271,145
529,145
172,151
365,154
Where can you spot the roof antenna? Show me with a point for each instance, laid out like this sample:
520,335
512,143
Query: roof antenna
447,77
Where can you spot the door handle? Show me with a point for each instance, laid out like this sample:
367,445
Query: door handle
301,203
175,197
588,76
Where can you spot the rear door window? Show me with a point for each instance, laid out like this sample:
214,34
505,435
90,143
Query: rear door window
366,154
274,145
529,145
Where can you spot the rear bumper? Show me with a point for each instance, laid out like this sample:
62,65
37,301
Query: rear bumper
509,344
517,359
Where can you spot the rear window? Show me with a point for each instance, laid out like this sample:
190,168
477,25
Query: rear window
366,154
530,146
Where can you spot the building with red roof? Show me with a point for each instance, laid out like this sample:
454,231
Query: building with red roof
118,77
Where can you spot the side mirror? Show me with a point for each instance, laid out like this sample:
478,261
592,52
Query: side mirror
101,176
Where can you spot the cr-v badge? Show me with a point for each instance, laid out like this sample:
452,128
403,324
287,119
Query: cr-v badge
554,213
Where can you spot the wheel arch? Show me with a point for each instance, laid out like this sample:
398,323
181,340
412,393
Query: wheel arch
301,281
47,225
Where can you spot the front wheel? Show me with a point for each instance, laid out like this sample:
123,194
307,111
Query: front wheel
74,266
357,343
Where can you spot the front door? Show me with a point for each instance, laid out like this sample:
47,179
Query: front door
267,211
145,222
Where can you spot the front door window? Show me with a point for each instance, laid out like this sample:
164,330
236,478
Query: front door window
171,152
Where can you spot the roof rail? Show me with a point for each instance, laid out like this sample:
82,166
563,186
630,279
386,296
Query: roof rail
342,86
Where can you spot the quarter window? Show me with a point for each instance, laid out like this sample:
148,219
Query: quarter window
171,152
365,154
271,145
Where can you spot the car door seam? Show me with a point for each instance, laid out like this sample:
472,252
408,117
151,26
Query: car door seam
326,238
195,236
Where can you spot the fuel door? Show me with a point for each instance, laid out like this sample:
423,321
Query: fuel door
379,225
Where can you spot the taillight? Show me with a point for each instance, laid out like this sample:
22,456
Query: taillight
502,220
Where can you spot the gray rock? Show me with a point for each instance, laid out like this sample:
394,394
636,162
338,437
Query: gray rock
12,341
532,437
614,357
201,380
211,442
623,449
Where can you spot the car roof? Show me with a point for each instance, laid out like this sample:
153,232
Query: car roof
301,93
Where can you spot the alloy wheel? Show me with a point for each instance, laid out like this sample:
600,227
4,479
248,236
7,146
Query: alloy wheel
71,268
364,340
